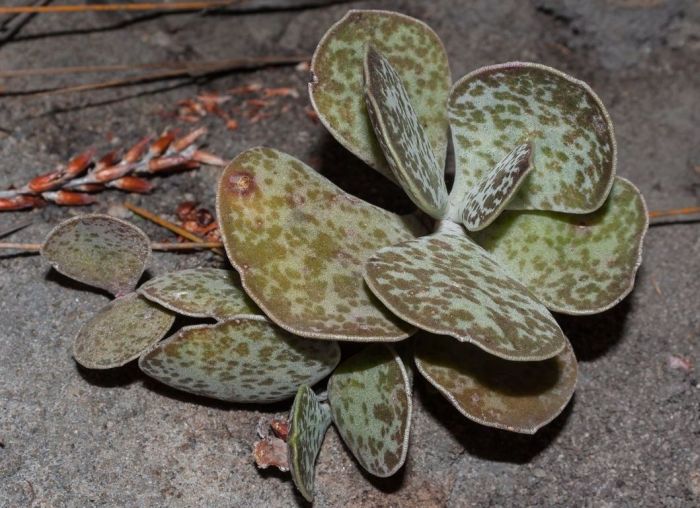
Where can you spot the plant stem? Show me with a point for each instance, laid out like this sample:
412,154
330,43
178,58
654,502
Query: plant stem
676,212
145,6
169,225
159,246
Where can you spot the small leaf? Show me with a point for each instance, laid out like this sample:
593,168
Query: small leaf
337,94
516,396
242,360
201,292
99,250
574,264
371,405
448,285
490,196
120,332
299,243
496,108
308,422
403,140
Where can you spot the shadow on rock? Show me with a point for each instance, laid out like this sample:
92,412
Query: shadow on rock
357,178
593,336
489,443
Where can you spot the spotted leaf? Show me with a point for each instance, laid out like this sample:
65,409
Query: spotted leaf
370,399
495,108
299,243
516,396
120,332
242,360
337,93
401,136
201,292
446,284
308,421
575,264
488,198
99,250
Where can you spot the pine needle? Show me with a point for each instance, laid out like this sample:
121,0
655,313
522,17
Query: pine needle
116,7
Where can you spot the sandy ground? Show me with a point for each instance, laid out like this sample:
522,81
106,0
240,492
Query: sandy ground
630,437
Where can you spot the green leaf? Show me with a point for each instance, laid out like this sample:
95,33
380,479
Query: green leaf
448,285
299,243
495,108
337,92
516,396
120,332
490,196
371,405
242,360
201,292
99,250
575,264
308,422
403,140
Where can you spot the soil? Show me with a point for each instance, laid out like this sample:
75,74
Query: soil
74,437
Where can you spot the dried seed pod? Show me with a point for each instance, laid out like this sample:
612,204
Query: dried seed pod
47,181
207,158
21,202
164,163
69,198
132,184
135,153
185,210
159,147
185,141
79,163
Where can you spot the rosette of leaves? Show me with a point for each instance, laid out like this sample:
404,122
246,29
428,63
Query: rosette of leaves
536,221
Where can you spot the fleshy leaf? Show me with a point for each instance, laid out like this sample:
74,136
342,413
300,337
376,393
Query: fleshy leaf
516,396
337,92
490,196
242,360
299,243
120,332
201,292
446,284
371,405
403,140
308,422
495,108
575,264
99,250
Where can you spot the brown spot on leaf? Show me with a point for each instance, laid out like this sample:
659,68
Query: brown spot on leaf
242,184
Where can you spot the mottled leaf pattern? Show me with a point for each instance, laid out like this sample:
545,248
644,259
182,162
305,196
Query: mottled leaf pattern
308,421
299,243
575,264
488,198
495,108
370,399
242,360
446,284
516,396
120,332
201,292
99,250
337,92
403,140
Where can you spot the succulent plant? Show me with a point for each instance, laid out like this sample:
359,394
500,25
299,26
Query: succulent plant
536,220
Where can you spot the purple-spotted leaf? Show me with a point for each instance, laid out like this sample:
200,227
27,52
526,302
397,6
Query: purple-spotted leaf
446,284
516,396
308,421
120,332
299,243
404,142
489,197
201,292
337,92
370,398
99,250
495,108
242,360
574,264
